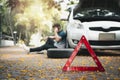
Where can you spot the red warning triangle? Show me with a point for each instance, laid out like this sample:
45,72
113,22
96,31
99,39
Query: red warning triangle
67,66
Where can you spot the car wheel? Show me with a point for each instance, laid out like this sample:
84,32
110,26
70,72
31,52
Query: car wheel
59,53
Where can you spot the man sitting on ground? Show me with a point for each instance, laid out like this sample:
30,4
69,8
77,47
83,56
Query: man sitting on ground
56,41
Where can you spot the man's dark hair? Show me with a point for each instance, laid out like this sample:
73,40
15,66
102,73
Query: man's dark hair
57,25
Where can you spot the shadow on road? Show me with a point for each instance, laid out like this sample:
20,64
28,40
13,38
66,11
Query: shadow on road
84,52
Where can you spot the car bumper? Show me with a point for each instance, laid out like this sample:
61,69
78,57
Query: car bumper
96,44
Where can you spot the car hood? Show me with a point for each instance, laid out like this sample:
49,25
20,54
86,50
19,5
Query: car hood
97,10
102,24
99,3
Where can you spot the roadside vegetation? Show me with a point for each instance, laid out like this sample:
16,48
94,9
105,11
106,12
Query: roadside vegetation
27,17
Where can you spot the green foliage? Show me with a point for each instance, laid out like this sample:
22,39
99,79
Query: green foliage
28,16
6,21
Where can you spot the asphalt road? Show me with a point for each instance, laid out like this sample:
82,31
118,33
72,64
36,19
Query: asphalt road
15,64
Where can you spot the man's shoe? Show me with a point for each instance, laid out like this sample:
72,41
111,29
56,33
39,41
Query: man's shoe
27,49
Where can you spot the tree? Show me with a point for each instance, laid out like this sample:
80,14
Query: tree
6,21
31,15
39,14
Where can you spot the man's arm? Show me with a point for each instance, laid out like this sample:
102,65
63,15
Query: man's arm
53,37
56,36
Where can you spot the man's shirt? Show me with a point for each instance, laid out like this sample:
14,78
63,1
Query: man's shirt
61,43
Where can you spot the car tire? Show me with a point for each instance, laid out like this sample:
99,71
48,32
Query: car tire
59,53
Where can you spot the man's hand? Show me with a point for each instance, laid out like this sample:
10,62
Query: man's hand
55,30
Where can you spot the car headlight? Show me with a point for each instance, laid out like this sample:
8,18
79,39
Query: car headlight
76,24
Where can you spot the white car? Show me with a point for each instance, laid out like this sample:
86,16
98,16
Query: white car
98,21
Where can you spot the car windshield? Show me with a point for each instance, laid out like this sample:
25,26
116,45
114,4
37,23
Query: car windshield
97,14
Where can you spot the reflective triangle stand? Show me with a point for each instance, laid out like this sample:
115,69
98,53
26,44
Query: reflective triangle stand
67,66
